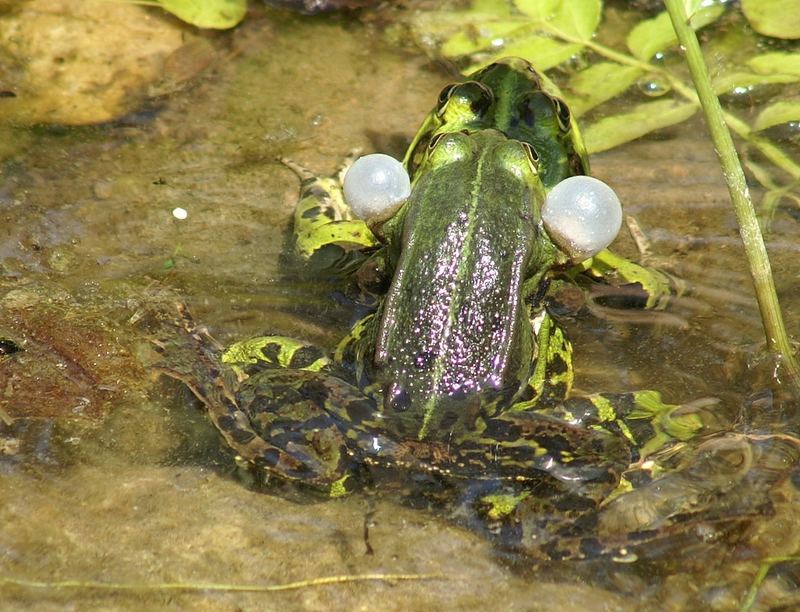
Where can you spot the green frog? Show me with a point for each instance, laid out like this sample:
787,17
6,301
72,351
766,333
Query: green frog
460,370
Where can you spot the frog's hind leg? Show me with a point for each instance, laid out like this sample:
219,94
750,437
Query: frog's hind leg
276,421
274,418
533,463
552,371
306,416
326,234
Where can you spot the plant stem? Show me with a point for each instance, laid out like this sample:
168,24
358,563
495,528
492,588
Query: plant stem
760,270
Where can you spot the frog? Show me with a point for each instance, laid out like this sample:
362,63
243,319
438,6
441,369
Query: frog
459,370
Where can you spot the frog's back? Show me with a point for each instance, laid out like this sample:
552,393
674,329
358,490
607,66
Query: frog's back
455,326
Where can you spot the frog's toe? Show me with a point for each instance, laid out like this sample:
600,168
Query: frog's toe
300,425
293,443
275,352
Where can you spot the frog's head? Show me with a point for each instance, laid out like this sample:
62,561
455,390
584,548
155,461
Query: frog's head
509,96
527,107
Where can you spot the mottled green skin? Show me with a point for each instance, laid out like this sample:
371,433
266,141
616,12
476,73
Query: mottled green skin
461,370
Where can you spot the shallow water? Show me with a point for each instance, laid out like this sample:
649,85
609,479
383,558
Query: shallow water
108,475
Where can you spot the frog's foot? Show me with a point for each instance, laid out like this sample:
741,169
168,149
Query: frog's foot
326,233
657,288
187,347
274,352
725,484
546,525
648,423
490,507
273,420
307,177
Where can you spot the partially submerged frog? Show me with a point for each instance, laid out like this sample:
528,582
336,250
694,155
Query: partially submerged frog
460,370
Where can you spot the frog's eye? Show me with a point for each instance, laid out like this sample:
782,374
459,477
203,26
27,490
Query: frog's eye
444,95
434,142
582,215
375,186
533,156
563,114
464,102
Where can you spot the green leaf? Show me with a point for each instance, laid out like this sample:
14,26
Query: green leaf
576,18
772,199
654,35
765,69
773,17
217,14
478,38
596,84
496,7
778,113
728,82
651,36
540,51
642,119
770,63
701,15
538,10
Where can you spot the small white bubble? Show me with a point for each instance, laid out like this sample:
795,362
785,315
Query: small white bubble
179,213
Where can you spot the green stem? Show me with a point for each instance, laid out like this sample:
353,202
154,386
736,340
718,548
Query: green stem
760,270
758,580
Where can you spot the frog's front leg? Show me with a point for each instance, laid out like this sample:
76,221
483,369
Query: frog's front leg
657,286
552,372
326,234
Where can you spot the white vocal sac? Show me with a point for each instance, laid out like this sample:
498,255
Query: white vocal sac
582,215
375,185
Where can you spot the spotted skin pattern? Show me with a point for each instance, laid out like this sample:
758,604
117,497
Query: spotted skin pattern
288,407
